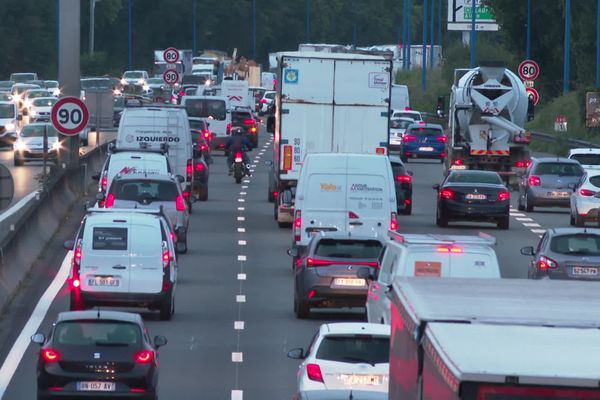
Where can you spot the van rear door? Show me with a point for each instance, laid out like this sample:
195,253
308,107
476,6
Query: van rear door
146,257
367,202
474,263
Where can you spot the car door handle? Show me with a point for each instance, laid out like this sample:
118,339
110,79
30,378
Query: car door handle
119,267
355,223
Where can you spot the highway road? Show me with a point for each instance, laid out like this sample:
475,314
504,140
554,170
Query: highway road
234,233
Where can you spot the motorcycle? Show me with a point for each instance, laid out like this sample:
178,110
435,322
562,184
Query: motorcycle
239,168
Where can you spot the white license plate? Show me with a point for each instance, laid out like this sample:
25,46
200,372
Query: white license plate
458,167
96,386
349,282
353,380
474,196
558,194
425,148
104,281
586,271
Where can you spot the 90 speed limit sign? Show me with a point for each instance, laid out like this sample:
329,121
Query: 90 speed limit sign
529,70
171,76
69,116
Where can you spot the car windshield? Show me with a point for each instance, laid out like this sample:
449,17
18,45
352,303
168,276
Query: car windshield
7,111
38,131
95,84
587,159
342,248
403,114
22,77
426,132
6,85
145,190
22,89
32,94
44,102
97,333
367,349
119,101
206,108
475,177
51,84
579,243
270,95
400,123
155,81
133,75
558,168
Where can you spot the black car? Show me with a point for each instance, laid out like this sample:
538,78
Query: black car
472,195
326,274
92,354
403,185
245,120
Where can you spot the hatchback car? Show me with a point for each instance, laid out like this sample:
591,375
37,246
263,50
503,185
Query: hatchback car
397,129
566,253
245,120
267,102
403,184
39,109
28,97
407,113
98,353
326,273
472,195
10,122
548,182
585,199
29,145
351,355
423,141
589,158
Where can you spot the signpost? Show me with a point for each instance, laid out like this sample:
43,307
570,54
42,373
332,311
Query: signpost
560,123
529,70
460,16
171,76
69,116
171,56
592,109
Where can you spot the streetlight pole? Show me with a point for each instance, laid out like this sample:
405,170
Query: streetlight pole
528,49
567,50
254,29
129,36
424,59
432,33
307,21
194,35
598,44
92,22
404,23
408,31
354,23
473,41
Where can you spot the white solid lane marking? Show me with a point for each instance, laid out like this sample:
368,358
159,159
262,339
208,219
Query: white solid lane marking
12,361
241,242
241,230
237,356
241,218
244,187
238,325
242,193
237,395
531,225
241,277
240,298
524,219
241,257
251,170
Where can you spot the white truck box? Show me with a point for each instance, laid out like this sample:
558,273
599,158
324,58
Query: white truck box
237,93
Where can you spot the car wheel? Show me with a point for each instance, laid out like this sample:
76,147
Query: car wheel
182,247
503,223
270,197
440,220
520,205
190,207
167,309
571,219
578,219
203,193
18,161
407,209
528,203
302,309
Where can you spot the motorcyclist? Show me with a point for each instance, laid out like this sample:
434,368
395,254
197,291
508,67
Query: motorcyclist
238,142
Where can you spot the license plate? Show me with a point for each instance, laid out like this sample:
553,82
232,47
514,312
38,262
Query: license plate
349,282
558,194
458,167
353,380
586,271
475,196
425,148
96,386
104,281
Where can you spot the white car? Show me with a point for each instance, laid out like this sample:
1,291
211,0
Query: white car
10,122
135,78
348,355
53,88
584,202
397,129
407,113
588,158
267,101
40,108
29,95
29,145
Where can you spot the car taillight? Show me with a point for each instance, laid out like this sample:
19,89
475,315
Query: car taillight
586,192
143,357
104,183
393,222
449,249
228,129
166,255
181,94
523,163
297,225
352,215
404,178
199,167
409,138
207,134
189,169
75,281
186,194
316,262
442,139
314,372
313,262
534,180
446,194
249,121
546,263
238,157
203,147
50,355
110,201
180,203
458,161
263,101
503,195
253,129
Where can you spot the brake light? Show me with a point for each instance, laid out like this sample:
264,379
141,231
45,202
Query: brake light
421,122
144,357
446,194
50,355
409,138
186,195
77,253
404,178
316,262
503,195
534,180
104,182
207,134
393,222
546,263
263,101
203,147
352,215
407,108
180,203
523,163
458,161
449,249
182,93
228,129
166,255
249,121
442,139
238,157
314,372
189,169
586,192
199,167
297,225
253,129
110,200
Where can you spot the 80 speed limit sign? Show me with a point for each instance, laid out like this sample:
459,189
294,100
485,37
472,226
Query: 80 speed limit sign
171,55
69,116
171,76
529,70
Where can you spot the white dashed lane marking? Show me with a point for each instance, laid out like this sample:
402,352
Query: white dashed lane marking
524,219
241,277
238,325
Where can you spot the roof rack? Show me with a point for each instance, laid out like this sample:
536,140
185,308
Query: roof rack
430,238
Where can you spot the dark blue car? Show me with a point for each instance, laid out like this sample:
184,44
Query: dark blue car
423,141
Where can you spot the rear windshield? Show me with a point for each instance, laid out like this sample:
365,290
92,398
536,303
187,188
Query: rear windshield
558,168
43,102
426,132
95,84
38,93
355,349
196,124
109,238
206,108
348,248
576,244
475,177
238,117
413,116
400,123
586,159
270,95
97,333
144,190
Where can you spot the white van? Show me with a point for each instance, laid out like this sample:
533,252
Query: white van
217,112
428,255
346,193
153,127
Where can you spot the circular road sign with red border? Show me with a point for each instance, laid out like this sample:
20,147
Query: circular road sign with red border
171,55
529,70
171,76
532,92
69,116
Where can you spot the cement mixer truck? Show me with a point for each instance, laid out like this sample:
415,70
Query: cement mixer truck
488,109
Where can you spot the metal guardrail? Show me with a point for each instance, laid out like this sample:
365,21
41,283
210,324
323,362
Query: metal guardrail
572,143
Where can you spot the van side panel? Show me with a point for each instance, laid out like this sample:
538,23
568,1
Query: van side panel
474,264
438,383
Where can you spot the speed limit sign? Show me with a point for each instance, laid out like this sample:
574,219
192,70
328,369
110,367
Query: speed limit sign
529,70
171,76
69,116
533,94
171,55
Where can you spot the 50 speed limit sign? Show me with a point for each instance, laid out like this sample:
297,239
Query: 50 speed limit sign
171,76
171,55
529,70
69,116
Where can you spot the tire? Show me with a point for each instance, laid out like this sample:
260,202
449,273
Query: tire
528,204
75,305
182,247
283,224
302,309
167,309
440,221
503,223
19,162
270,197
571,219
203,193
520,205
578,219
407,210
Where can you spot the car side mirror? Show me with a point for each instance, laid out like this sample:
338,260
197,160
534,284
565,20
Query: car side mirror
19,117
180,178
527,251
69,244
100,196
96,176
38,338
436,186
192,199
159,341
293,252
296,354
410,173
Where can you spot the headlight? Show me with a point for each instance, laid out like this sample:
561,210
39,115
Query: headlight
32,113
56,146
20,146
17,98
9,127
141,81
56,92
116,92
123,81
146,88
27,103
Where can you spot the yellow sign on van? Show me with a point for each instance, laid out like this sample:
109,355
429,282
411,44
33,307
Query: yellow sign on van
432,269
329,187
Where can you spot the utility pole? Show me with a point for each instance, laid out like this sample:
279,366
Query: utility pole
528,49
254,29
409,31
404,25
567,50
432,33
194,35
307,21
473,41
129,36
424,60
92,20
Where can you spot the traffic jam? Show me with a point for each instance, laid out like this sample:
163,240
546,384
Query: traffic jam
426,313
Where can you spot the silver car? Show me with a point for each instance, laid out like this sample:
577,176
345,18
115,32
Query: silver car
142,190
